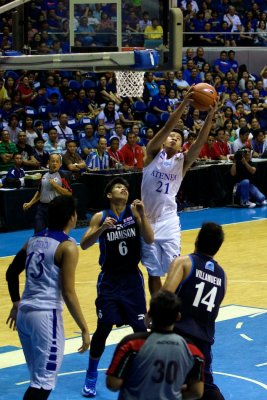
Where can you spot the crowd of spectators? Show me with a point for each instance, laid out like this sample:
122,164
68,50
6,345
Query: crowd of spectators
82,116
206,23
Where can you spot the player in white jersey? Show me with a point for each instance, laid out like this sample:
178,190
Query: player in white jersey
164,168
51,261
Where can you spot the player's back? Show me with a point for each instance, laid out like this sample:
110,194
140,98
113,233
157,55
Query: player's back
201,294
159,369
160,184
43,277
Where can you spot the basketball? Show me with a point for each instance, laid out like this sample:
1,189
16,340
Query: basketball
204,96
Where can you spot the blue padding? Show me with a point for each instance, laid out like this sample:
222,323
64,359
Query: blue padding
146,59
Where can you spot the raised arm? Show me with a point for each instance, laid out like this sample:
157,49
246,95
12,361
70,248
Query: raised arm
67,255
95,229
155,144
194,150
142,221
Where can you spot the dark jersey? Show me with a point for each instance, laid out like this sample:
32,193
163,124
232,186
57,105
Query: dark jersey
201,294
120,246
155,365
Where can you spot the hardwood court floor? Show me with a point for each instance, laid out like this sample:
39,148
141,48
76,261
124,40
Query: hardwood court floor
243,255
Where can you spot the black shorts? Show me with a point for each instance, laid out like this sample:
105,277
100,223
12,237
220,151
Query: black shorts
121,300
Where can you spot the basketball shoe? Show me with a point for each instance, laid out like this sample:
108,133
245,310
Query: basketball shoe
89,387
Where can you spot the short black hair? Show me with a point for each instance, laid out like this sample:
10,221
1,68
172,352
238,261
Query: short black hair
60,210
243,131
38,139
164,308
113,182
209,238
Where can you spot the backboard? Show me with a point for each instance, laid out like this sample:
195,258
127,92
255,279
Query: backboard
110,44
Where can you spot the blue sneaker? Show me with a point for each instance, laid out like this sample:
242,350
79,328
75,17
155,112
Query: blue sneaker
89,387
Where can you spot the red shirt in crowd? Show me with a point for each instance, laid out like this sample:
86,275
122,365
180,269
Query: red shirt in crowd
133,156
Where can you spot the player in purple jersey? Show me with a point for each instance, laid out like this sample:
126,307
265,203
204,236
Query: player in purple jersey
201,284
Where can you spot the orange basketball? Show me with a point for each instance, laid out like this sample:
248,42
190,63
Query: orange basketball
204,96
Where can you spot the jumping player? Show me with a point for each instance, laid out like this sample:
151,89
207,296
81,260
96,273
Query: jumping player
164,169
51,261
156,365
120,287
201,285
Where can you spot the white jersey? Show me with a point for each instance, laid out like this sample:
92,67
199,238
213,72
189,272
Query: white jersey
161,181
43,276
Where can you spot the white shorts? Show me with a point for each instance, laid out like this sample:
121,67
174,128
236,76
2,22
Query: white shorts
157,257
42,337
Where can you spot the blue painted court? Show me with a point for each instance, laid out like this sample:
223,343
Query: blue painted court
240,352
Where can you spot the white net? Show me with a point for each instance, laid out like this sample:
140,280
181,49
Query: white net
130,83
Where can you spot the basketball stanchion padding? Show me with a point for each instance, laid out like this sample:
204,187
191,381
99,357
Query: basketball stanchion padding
146,59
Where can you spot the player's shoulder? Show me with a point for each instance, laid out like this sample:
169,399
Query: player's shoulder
134,340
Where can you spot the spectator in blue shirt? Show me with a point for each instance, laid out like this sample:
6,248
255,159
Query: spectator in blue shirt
99,159
160,103
16,171
88,143
222,65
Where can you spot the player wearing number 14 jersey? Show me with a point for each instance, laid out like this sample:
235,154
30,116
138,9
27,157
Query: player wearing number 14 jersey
120,287
163,172
201,284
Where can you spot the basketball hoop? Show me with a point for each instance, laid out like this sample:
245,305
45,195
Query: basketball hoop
130,83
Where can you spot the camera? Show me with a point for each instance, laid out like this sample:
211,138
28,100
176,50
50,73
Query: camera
239,154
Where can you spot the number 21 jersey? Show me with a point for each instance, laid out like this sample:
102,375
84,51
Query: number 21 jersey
160,184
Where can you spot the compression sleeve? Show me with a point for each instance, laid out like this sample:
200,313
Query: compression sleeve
13,272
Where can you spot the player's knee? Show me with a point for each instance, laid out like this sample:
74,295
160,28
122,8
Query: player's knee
98,341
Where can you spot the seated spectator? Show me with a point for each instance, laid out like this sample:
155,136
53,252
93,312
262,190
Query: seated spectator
13,127
242,140
116,158
93,106
144,22
199,59
233,19
193,3
10,85
7,110
262,34
247,35
194,77
180,82
229,128
105,31
88,143
169,81
160,103
81,105
63,130
222,65
29,130
224,38
40,154
191,138
104,93
243,170
119,133
153,34
53,107
208,38
16,172
28,160
101,132
51,86
132,153
68,105
7,151
151,87
108,116
188,69
53,145
99,159
71,160
258,143
173,99
206,152
3,92
125,114
28,93
220,149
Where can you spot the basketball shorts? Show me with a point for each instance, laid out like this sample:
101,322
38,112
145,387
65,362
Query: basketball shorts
42,337
157,257
121,300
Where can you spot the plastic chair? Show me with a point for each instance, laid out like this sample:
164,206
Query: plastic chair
164,116
73,123
88,84
86,120
151,119
53,122
42,112
139,106
74,85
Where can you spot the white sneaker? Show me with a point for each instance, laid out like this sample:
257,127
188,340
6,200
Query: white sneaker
263,203
249,204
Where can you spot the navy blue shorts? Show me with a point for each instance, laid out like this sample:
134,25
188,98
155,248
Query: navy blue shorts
121,300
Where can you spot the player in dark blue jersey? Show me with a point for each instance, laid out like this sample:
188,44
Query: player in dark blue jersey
120,287
201,284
